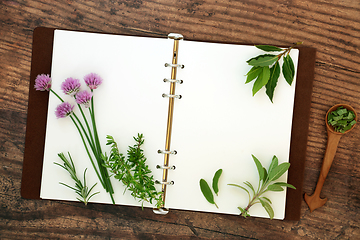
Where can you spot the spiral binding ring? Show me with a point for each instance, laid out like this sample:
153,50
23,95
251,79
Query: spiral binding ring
165,167
167,183
173,80
167,152
171,96
174,65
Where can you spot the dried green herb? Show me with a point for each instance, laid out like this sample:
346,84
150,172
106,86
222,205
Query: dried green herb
133,171
266,69
205,188
80,188
341,119
266,183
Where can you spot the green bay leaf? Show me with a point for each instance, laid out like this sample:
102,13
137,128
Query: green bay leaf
268,48
205,189
263,60
288,69
253,73
262,80
215,183
271,84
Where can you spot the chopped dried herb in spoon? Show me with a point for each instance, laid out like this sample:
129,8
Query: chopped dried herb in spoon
341,119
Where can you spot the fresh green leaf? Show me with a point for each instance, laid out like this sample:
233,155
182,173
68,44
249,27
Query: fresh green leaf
271,84
265,175
268,48
253,73
283,184
205,189
259,167
265,198
263,60
275,188
274,163
215,183
278,171
250,186
268,208
262,80
288,69
236,185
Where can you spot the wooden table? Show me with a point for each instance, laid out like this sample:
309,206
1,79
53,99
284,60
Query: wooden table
332,27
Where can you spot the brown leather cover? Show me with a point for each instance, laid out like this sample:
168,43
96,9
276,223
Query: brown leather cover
37,116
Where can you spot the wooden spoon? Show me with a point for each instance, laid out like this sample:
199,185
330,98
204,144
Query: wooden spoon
314,201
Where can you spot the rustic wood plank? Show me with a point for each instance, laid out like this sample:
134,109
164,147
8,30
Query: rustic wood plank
333,28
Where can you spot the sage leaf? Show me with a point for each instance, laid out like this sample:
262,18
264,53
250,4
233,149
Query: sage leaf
263,60
288,69
250,186
205,189
275,188
268,48
284,184
253,73
268,208
274,76
278,171
259,167
267,199
262,80
274,163
215,183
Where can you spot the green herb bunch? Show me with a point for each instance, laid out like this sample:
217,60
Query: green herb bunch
132,171
80,188
266,69
341,119
266,183
205,188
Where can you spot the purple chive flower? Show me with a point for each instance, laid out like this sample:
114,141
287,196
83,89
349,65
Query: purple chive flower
42,82
93,80
84,97
63,110
71,86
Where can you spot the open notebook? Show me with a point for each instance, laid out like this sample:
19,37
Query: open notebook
217,123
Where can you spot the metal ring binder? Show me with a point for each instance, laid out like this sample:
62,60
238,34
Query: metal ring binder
166,183
167,152
174,65
175,36
173,80
166,167
171,96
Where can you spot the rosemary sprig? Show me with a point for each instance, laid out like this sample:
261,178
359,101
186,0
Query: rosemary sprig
81,189
266,183
132,171
266,69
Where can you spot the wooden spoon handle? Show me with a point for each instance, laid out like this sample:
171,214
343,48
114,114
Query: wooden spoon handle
331,147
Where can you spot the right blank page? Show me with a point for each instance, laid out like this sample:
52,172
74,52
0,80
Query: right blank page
219,124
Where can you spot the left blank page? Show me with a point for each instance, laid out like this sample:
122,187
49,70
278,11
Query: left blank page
128,102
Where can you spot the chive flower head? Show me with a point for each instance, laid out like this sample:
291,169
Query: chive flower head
42,82
71,86
84,97
63,110
92,80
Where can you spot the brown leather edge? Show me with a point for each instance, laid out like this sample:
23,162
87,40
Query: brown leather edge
299,132
37,114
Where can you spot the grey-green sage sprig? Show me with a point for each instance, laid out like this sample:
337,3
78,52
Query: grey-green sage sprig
81,189
133,171
266,69
267,183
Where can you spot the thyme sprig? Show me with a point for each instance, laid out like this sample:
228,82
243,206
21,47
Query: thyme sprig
81,189
133,171
267,183
266,69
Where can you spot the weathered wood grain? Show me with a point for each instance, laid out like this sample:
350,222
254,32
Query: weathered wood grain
332,27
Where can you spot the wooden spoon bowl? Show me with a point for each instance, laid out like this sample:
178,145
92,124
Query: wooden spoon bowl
314,201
